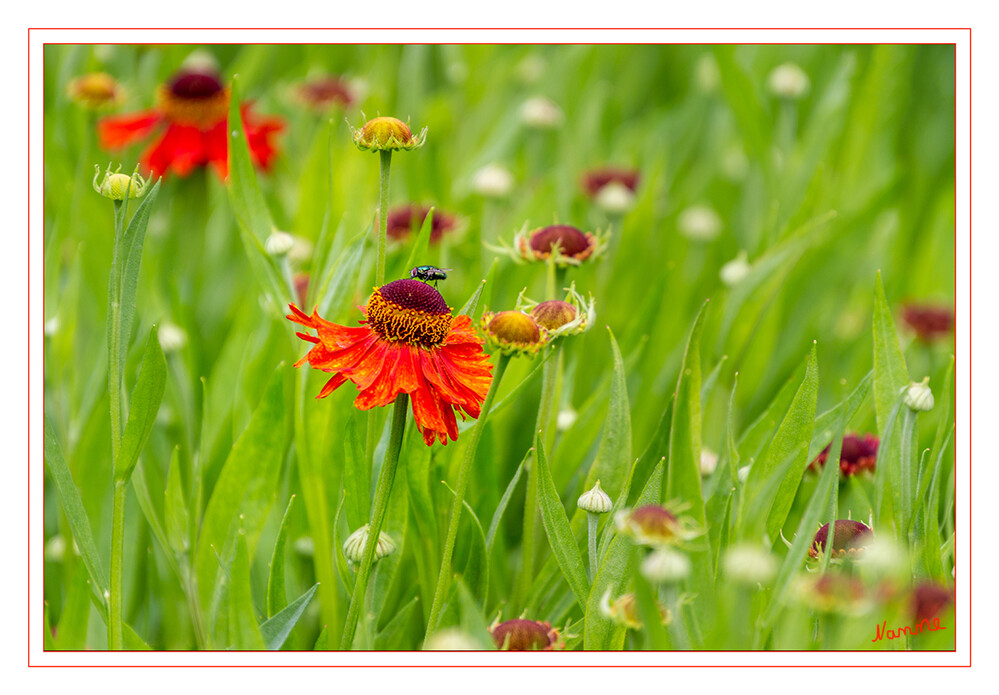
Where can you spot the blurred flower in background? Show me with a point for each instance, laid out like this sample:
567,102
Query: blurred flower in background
930,322
190,120
325,92
97,90
859,453
407,219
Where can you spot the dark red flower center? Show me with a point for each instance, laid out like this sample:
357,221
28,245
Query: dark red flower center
849,537
325,91
572,241
929,322
195,85
409,311
194,97
404,220
522,635
928,600
594,180
858,453
654,521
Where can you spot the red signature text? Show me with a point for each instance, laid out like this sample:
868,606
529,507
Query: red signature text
925,624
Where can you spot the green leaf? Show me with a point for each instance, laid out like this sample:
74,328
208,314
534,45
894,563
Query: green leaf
73,621
145,403
476,568
773,480
175,507
746,103
648,608
132,244
505,501
276,630
342,568
422,241
394,632
246,486
560,536
683,474
356,476
323,641
890,372
613,460
243,630
72,505
276,595
613,572
250,208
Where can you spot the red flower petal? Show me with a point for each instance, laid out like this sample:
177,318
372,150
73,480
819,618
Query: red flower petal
118,131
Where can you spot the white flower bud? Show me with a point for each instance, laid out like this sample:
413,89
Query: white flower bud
919,397
304,546
172,337
279,243
52,326
749,564
301,250
743,474
788,81
566,419
492,181
531,68
541,113
665,565
452,639
735,270
699,223
353,547
595,500
709,462
55,549
615,198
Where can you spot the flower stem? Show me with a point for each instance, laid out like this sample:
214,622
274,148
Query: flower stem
115,640
115,629
548,378
383,192
444,578
591,532
382,493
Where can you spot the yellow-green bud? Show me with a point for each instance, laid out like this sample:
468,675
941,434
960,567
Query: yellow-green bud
385,133
919,397
118,186
595,500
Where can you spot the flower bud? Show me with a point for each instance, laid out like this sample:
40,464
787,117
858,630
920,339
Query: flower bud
565,243
709,462
519,635
665,565
452,639
172,337
279,243
541,113
749,564
52,326
699,223
706,71
385,133
735,270
118,186
595,500
513,332
97,90
301,251
353,547
492,181
850,539
615,198
919,397
623,611
651,525
788,81
566,418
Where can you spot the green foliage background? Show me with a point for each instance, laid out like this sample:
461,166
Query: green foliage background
856,177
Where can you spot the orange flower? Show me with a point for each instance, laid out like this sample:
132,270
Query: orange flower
411,344
192,111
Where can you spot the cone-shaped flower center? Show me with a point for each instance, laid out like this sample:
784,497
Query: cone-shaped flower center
95,90
515,327
381,130
554,314
572,241
409,311
849,538
524,635
195,97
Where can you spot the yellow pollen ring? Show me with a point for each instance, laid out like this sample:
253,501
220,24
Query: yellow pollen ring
198,111
411,326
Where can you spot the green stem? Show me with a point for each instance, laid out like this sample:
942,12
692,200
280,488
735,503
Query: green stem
382,494
115,629
383,191
908,426
115,640
444,578
530,536
591,532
